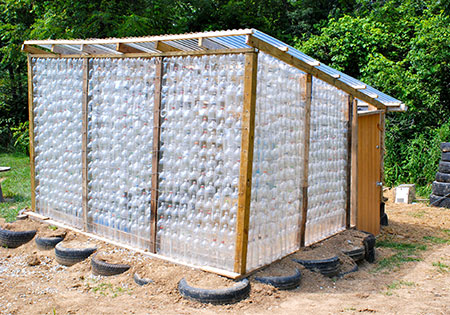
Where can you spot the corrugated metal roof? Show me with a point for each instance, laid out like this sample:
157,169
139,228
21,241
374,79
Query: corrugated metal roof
216,40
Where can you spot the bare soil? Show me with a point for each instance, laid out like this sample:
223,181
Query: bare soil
32,282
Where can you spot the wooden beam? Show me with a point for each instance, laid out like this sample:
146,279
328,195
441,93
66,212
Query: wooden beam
35,50
354,165
140,39
245,171
155,153
66,50
124,48
154,55
31,132
308,68
161,46
207,43
307,95
348,201
84,143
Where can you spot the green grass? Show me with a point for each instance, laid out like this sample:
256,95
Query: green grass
16,186
397,285
404,252
106,288
442,268
436,240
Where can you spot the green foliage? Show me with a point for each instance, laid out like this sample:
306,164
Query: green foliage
403,253
21,137
15,185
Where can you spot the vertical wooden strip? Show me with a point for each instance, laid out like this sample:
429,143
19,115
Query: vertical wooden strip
354,165
31,132
382,148
246,167
84,142
348,202
308,98
155,153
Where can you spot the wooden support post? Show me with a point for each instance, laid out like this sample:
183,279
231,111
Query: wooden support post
155,153
84,142
349,114
382,148
307,99
31,132
354,165
245,171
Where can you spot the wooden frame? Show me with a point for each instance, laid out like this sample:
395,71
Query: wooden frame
354,165
84,142
307,131
246,167
31,132
348,203
155,154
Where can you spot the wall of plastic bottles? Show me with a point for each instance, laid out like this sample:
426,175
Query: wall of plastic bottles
277,162
202,99
120,139
200,159
57,90
327,180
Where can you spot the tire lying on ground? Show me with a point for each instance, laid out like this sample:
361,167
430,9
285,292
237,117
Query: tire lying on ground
441,189
444,167
103,268
445,146
439,201
283,282
47,243
218,296
70,256
445,156
327,267
442,177
356,254
141,281
13,239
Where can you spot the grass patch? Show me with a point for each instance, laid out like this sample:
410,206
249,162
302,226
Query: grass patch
436,240
447,231
397,285
417,214
16,184
106,288
442,268
404,252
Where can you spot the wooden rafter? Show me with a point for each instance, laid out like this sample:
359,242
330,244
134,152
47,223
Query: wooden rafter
124,48
35,50
161,46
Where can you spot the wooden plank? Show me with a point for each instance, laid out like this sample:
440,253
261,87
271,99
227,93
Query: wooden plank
308,68
382,149
354,165
153,55
155,154
31,132
66,49
124,48
140,39
84,142
161,46
307,99
369,160
35,50
245,171
98,50
348,201
369,112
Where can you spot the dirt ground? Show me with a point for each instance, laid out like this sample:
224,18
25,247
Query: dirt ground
32,282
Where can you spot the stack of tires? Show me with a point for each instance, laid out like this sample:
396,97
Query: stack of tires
440,196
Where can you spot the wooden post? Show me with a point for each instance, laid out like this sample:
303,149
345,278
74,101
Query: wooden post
155,153
382,148
31,132
354,164
245,171
307,99
84,142
349,115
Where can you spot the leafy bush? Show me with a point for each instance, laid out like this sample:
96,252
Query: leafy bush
21,137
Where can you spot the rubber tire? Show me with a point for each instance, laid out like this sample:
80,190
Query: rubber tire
445,156
445,146
444,167
442,177
356,254
284,282
354,269
443,202
103,268
47,243
71,256
219,296
441,189
13,239
369,246
319,263
141,281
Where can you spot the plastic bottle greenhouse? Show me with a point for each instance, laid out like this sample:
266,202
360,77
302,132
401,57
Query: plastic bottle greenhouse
223,150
